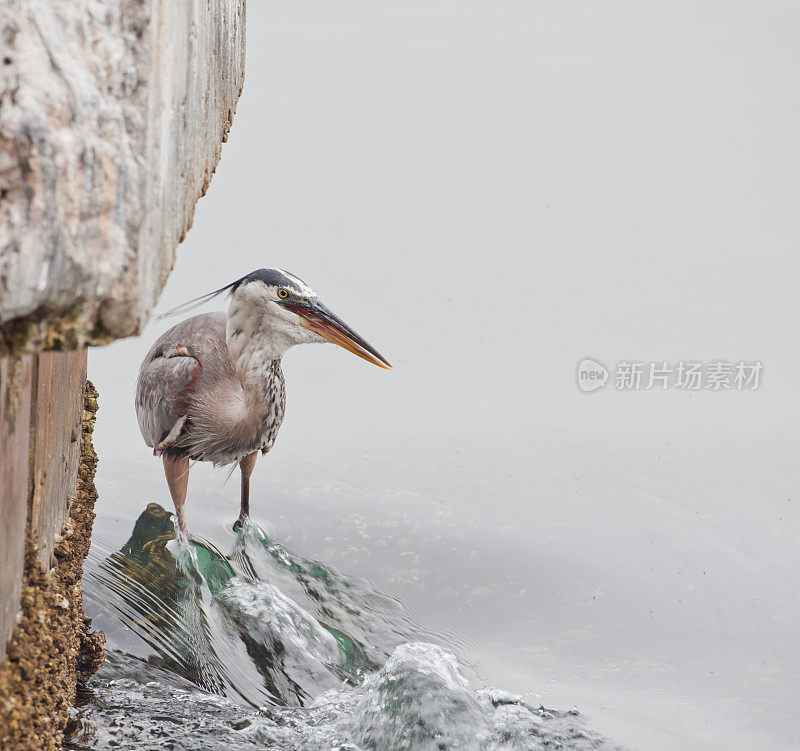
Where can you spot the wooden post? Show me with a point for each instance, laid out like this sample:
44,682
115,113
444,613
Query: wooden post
41,404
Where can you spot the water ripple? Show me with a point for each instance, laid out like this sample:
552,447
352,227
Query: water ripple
265,649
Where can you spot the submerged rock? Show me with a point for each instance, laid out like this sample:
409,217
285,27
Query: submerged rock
215,621
263,649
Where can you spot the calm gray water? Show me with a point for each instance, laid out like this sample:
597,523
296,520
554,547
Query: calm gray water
488,193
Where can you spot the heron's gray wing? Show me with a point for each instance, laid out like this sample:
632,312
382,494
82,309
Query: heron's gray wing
165,381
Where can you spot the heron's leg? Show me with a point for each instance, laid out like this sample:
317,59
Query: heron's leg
177,472
246,465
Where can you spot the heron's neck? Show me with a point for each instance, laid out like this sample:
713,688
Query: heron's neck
255,350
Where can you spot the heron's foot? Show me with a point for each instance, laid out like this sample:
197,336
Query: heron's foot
241,522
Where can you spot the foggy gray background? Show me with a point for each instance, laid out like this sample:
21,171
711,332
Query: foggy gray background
489,192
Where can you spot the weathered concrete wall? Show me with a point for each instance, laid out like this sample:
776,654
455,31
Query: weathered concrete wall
112,116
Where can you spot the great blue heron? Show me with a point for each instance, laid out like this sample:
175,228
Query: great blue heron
211,388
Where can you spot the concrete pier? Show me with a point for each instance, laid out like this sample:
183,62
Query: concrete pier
112,119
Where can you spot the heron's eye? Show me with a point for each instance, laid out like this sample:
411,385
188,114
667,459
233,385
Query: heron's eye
282,293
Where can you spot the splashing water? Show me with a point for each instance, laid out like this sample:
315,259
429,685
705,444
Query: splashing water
264,649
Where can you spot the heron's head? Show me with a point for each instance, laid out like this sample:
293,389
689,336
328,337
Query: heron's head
294,314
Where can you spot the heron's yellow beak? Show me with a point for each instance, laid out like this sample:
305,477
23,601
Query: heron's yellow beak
319,319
